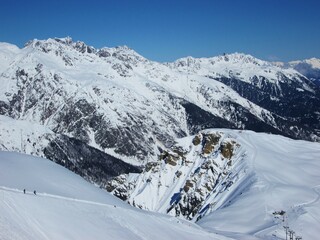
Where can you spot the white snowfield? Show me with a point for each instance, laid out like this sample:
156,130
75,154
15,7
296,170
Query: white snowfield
67,207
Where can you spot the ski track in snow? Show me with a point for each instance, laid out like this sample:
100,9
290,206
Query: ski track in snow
52,196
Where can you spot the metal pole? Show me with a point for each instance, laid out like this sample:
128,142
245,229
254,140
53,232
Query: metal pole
286,228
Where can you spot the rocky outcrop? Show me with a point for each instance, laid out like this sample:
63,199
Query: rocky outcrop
184,184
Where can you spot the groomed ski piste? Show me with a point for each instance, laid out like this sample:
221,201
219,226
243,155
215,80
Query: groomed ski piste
284,192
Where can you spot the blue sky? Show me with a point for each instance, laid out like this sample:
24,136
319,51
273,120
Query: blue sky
165,30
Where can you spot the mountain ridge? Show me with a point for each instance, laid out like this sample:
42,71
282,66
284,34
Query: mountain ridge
128,107
103,112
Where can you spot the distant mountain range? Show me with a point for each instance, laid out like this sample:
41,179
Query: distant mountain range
309,68
143,129
104,113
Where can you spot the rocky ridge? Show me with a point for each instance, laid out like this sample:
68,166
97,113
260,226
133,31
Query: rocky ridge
113,103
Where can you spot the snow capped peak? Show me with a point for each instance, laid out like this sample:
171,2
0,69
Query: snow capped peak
66,40
308,67
241,58
124,52
239,66
184,62
60,46
233,58
34,43
59,43
313,62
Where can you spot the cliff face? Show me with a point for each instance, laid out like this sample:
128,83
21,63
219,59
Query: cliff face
187,178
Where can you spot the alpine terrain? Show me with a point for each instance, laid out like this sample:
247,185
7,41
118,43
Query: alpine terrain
230,142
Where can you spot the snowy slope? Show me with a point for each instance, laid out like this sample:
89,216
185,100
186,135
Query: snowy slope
23,136
287,177
67,207
233,181
7,54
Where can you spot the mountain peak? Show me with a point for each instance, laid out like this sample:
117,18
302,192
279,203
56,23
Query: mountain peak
57,43
66,40
123,53
48,44
313,62
233,59
238,59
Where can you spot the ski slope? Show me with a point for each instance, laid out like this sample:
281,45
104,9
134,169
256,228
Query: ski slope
67,207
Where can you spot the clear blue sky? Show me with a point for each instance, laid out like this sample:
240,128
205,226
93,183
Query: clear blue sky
164,30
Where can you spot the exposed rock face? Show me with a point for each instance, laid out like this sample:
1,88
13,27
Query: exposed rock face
184,183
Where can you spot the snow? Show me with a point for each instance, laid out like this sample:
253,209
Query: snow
67,207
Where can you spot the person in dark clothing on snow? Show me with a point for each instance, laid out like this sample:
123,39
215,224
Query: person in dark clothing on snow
34,192
24,191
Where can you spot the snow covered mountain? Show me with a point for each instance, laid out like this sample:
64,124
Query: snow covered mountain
139,129
117,101
116,104
67,207
251,184
309,67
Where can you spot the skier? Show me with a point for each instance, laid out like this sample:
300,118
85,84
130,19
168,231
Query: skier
24,191
34,192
